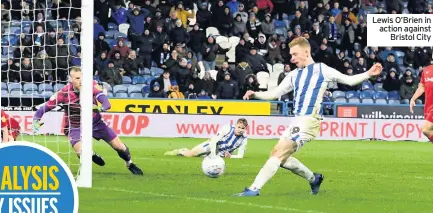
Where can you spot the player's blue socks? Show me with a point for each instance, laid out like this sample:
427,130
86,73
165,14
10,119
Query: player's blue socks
125,155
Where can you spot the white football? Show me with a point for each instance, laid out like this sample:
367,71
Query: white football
213,166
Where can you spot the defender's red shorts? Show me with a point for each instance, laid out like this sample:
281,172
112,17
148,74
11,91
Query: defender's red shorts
429,117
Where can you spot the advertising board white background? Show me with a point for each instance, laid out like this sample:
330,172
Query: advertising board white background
260,127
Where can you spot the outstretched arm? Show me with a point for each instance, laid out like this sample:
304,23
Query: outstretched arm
282,89
350,80
48,106
416,95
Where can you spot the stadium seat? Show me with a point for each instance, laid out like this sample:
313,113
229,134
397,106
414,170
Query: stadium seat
134,89
45,87
16,93
118,35
351,94
119,89
110,94
381,95
107,86
110,34
30,87
121,95
4,86
221,39
368,101
269,66
378,87
138,80
366,85
262,79
381,101
367,94
234,41
136,95
338,94
14,87
340,100
148,80
354,100
213,74
5,93
126,80
155,71
146,95
47,94
145,71
110,41
58,87
146,89
394,102
393,95
405,101
123,28
212,31
112,26
278,68
399,57
31,92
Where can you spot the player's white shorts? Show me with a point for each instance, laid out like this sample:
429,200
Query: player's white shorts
302,130
202,149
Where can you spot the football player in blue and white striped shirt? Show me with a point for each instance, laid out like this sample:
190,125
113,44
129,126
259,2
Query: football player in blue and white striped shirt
228,139
308,82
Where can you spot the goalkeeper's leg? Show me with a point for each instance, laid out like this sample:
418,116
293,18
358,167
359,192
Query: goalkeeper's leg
74,135
199,150
102,131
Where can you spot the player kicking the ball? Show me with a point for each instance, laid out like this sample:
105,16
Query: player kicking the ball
224,143
426,85
309,83
69,97
10,128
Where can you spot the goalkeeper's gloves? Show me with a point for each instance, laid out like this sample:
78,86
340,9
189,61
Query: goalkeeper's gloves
36,125
97,108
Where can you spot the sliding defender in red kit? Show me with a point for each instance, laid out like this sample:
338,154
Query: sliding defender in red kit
10,128
425,86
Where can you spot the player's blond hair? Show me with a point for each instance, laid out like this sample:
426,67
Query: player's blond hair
300,41
75,69
242,121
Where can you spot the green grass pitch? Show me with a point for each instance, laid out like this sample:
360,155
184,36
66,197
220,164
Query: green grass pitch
369,177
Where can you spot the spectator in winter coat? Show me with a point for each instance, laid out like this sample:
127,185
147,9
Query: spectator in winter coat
408,88
250,83
242,50
182,14
203,16
97,28
179,35
157,91
240,73
274,53
228,89
174,93
233,6
254,26
242,12
209,52
239,26
118,13
132,64
101,45
111,75
121,48
256,61
196,39
268,26
136,19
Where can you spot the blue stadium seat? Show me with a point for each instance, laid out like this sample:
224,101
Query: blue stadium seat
340,100
148,80
138,80
47,94
399,57
134,89
14,30
146,95
110,35
118,35
418,101
136,95
405,101
121,95
339,94
381,101
155,71
119,89
58,87
45,87
393,95
146,89
4,86
378,87
112,26
145,71
354,100
26,30
16,93
394,102
351,94
368,101
30,87
31,92
110,94
126,80
381,95
107,86
367,94
366,85
5,93
14,87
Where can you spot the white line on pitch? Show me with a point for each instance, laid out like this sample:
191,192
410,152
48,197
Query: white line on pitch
207,200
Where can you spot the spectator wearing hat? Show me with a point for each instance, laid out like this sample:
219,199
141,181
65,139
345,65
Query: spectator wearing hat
111,75
391,63
344,15
157,91
182,14
179,35
348,37
242,50
173,92
118,60
225,24
97,28
254,26
391,82
408,88
148,6
267,25
256,61
242,12
227,89
250,83
121,48
165,8
203,16
239,26
136,19
181,74
101,45
203,95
